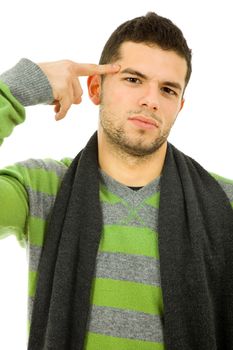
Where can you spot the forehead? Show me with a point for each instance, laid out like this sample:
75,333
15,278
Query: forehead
153,61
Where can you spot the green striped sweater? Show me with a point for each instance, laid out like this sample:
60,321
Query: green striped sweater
126,297
126,300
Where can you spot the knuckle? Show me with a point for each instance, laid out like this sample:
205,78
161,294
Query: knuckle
77,100
67,62
67,66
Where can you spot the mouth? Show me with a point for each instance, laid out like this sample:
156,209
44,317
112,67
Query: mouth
144,122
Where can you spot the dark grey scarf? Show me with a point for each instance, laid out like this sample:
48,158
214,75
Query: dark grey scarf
196,258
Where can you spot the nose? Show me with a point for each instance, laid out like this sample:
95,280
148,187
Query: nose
150,98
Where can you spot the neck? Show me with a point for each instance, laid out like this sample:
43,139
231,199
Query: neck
127,169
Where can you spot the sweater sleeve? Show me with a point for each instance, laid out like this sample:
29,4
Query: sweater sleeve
13,197
27,193
28,84
12,112
13,208
23,85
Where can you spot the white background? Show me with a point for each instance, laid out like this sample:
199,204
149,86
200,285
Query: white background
51,30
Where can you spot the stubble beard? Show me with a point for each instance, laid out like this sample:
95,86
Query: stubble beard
118,138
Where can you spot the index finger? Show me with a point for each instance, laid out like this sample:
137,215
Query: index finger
87,69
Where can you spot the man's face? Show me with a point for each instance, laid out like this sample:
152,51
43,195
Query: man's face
140,103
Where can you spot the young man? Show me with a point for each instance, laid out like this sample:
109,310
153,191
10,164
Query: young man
136,236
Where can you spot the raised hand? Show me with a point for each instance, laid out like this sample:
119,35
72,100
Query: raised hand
63,77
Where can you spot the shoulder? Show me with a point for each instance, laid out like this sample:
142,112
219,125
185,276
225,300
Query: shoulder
225,184
43,175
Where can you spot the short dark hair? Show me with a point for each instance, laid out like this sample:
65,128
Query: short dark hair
150,29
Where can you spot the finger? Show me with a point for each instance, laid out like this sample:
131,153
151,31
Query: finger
84,69
65,104
56,106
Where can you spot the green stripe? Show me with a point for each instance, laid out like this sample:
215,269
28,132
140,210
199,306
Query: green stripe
14,111
222,179
108,197
127,295
153,200
37,228
40,180
100,342
32,283
129,240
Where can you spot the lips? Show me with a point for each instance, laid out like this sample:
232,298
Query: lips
145,121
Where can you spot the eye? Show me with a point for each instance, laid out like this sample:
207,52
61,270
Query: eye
169,91
133,80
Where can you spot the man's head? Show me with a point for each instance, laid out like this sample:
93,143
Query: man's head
152,30
139,103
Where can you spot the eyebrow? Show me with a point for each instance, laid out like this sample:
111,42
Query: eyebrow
143,76
134,72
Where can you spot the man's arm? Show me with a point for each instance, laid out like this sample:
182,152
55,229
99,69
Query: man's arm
23,85
63,77
28,84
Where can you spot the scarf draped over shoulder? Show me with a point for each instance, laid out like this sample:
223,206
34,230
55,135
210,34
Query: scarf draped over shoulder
195,248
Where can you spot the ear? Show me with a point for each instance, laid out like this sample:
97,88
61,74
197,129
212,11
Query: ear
182,104
94,88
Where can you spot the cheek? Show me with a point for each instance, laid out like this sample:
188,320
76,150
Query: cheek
111,99
170,111
117,103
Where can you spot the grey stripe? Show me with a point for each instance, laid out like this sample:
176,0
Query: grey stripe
46,164
126,324
126,267
40,203
30,308
114,214
28,83
34,257
228,189
119,214
123,191
149,216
